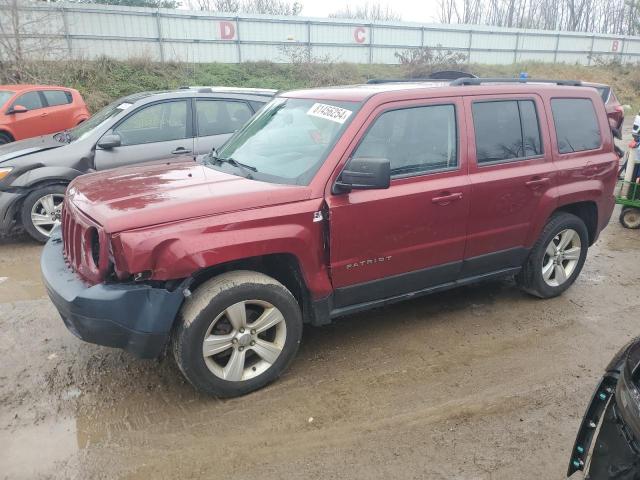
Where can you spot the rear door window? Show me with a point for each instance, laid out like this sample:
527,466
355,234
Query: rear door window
217,117
576,124
506,130
415,140
57,97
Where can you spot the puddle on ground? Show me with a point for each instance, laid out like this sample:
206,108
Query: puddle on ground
31,451
20,271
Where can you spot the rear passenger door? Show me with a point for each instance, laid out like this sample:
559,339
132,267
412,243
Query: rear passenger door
59,109
512,174
217,120
411,236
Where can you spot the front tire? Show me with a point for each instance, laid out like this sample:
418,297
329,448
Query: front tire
237,333
41,211
556,259
5,138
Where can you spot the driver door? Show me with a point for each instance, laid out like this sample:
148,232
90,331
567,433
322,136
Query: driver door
411,236
33,122
158,131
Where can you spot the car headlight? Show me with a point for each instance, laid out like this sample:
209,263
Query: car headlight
4,172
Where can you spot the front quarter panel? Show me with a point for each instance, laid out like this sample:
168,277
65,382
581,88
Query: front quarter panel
181,249
45,174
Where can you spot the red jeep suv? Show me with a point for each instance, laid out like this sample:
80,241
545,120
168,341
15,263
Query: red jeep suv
332,201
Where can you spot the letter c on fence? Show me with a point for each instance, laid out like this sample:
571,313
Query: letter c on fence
227,31
359,34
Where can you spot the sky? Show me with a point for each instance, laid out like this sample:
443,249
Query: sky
425,11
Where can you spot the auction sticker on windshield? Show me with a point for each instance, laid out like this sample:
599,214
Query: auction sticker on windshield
329,112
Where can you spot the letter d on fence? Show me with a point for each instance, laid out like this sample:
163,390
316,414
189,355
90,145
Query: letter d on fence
227,31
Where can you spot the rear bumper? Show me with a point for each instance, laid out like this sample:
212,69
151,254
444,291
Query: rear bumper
134,317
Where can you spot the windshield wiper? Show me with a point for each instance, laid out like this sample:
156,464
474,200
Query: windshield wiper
246,169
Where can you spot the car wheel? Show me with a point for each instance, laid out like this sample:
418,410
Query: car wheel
41,211
236,333
5,138
630,217
556,259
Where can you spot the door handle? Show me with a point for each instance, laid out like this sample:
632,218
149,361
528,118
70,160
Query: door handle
537,182
44,114
447,199
180,150
591,170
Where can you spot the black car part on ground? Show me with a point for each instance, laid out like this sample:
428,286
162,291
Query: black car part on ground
606,445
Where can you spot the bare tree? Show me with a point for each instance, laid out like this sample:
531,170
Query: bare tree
27,33
368,11
268,7
619,17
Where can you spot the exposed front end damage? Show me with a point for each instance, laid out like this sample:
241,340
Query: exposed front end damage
136,317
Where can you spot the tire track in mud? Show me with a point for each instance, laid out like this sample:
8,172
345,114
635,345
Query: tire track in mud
480,382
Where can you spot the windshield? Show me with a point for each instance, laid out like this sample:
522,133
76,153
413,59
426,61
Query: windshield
85,128
4,96
287,141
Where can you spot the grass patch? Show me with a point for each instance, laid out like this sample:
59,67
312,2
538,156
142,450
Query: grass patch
104,80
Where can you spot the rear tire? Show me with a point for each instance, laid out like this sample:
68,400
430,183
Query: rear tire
556,259
5,138
630,217
237,333
41,211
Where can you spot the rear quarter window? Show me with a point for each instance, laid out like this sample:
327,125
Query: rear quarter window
576,124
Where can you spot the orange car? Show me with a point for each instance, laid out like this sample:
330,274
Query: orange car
32,110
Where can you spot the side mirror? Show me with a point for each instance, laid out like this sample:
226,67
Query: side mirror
110,141
18,109
364,173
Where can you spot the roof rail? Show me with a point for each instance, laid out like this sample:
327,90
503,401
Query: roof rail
480,81
377,81
438,76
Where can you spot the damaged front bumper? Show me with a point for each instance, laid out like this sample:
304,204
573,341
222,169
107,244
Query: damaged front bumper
607,445
135,317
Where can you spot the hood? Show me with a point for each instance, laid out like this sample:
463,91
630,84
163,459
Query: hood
134,197
12,150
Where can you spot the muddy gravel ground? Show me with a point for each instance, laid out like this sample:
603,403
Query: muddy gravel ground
481,382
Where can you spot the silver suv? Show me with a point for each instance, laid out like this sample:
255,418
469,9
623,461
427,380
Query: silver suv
143,127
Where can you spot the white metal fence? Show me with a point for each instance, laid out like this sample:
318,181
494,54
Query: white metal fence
90,31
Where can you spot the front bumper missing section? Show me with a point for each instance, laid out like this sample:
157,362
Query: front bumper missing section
134,317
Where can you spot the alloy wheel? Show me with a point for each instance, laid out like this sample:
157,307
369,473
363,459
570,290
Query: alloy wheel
561,257
46,213
244,341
